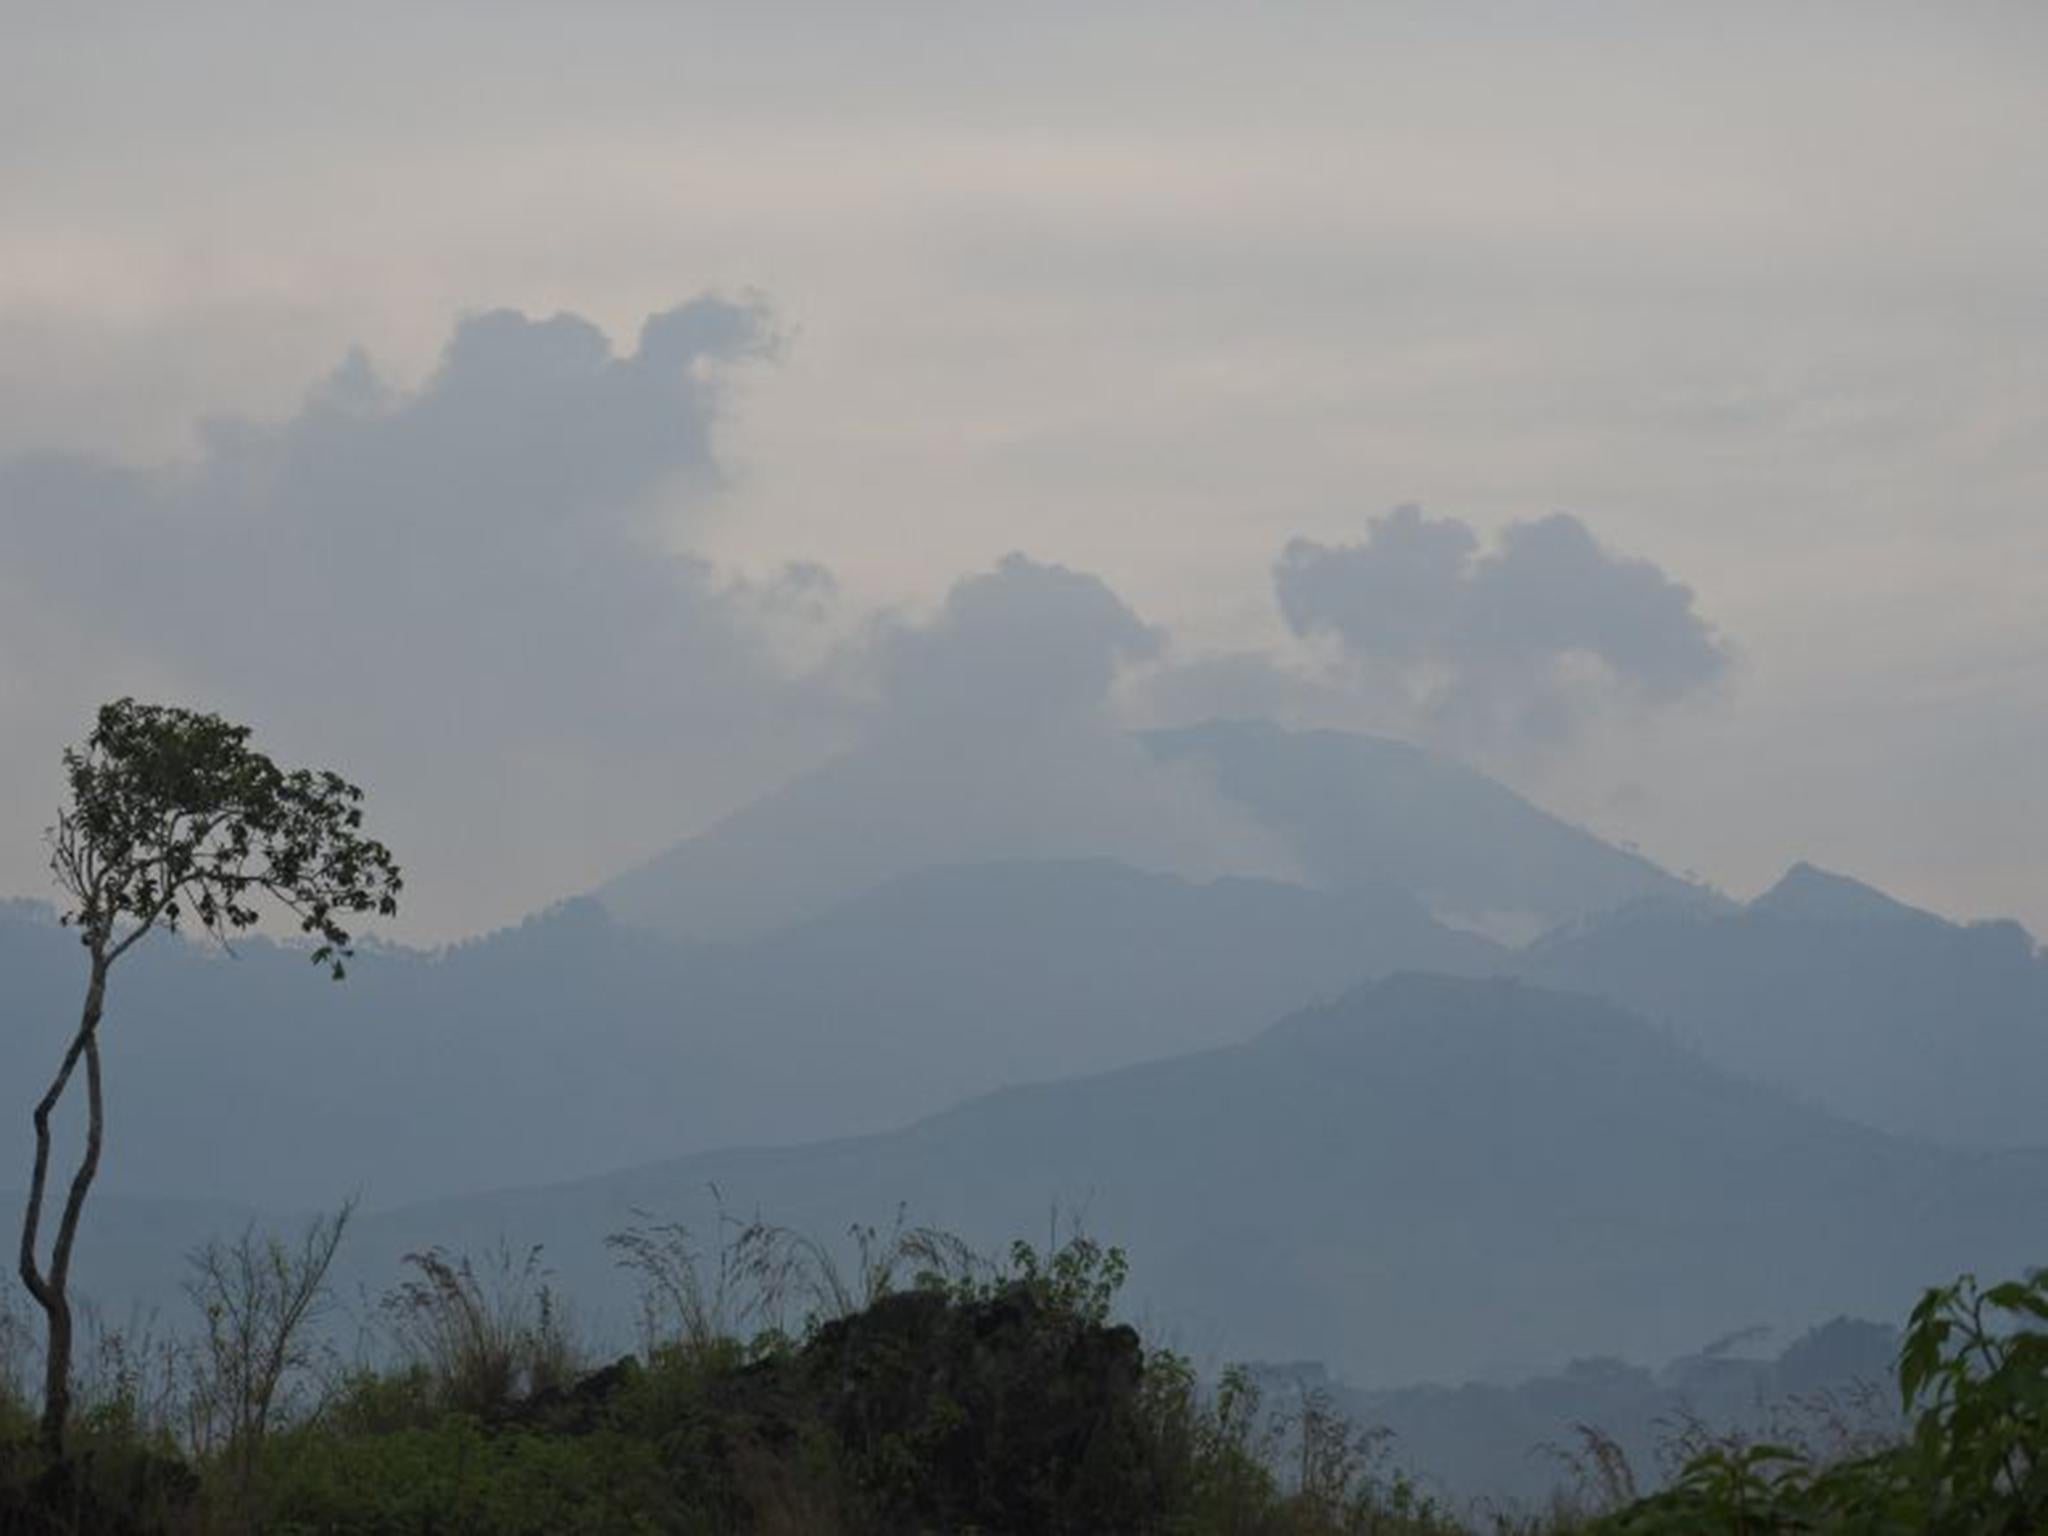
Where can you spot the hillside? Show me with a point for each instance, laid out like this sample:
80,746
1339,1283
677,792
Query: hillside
1835,991
574,1044
1429,1180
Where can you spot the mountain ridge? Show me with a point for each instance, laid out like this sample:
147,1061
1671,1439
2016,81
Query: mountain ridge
427,1071
1893,1016
1352,811
1378,1157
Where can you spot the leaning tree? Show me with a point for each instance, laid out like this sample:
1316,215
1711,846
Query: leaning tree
174,819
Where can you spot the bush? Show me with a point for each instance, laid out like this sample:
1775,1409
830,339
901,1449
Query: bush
485,1334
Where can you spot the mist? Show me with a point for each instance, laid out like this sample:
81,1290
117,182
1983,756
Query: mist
1375,679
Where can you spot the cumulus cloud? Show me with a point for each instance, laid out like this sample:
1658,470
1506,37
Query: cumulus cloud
1002,709
1016,649
462,593
1523,642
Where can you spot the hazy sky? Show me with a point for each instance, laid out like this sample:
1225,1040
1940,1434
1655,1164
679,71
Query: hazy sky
1185,298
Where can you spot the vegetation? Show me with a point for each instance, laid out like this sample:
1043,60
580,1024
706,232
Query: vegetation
776,1387
917,1389
173,818
1973,1376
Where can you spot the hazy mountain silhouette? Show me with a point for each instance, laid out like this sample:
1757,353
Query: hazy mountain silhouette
1508,1442
1365,809
1430,1179
1824,986
1806,894
1350,811
1028,971
574,1043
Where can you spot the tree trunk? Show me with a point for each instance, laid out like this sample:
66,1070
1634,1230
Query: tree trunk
50,1288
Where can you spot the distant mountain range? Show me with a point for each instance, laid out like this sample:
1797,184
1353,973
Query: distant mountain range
1833,990
579,1042
1437,1175
1428,1179
573,1044
1515,1444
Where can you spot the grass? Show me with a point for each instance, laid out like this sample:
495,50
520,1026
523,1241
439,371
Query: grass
904,1384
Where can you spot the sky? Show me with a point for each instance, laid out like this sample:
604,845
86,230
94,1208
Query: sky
573,421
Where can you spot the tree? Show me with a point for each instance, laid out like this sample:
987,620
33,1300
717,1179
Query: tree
174,819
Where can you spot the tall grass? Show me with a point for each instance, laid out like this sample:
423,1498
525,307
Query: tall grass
787,1384
484,1332
20,1364
757,1278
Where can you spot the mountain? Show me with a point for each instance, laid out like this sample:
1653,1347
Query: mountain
1824,986
949,981
1512,1444
1352,811
794,853
575,1043
1806,894
1430,1179
1361,809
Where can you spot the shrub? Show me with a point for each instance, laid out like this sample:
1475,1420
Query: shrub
484,1334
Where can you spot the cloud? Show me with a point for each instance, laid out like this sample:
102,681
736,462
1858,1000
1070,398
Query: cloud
997,721
463,594
1016,650
1522,643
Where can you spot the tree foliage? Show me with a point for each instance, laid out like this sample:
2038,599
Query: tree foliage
175,818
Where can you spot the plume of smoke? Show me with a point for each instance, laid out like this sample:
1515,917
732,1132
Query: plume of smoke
1003,708
1523,642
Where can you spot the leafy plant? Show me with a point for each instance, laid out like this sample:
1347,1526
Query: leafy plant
1974,1373
1973,1380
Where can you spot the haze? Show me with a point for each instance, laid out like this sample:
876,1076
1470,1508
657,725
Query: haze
1389,656
1750,294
